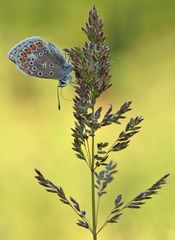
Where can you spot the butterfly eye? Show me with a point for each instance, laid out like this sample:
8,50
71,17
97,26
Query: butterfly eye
62,83
51,51
33,59
51,73
40,74
31,63
51,65
40,54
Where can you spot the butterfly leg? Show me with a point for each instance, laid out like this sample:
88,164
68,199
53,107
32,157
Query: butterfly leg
58,97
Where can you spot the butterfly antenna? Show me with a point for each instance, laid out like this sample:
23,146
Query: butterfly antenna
58,97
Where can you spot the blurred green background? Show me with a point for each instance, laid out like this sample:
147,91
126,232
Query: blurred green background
141,35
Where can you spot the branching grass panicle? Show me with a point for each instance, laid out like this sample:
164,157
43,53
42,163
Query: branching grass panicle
91,64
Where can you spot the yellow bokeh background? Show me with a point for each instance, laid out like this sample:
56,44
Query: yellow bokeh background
34,134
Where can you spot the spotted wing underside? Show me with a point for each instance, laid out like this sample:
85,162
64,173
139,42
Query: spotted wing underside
36,58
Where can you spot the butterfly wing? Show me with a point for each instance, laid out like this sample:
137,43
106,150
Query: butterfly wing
58,56
36,58
14,51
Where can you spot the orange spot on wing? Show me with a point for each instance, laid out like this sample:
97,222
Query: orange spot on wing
24,65
23,54
22,59
28,51
40,44
33,47
27,71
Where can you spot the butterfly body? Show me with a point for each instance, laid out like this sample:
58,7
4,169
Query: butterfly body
34,57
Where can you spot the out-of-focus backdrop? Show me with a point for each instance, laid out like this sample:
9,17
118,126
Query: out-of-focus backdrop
34,134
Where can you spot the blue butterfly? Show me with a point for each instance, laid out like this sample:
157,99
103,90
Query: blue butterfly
36,58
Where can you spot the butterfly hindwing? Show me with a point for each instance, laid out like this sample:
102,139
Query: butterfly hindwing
37,58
